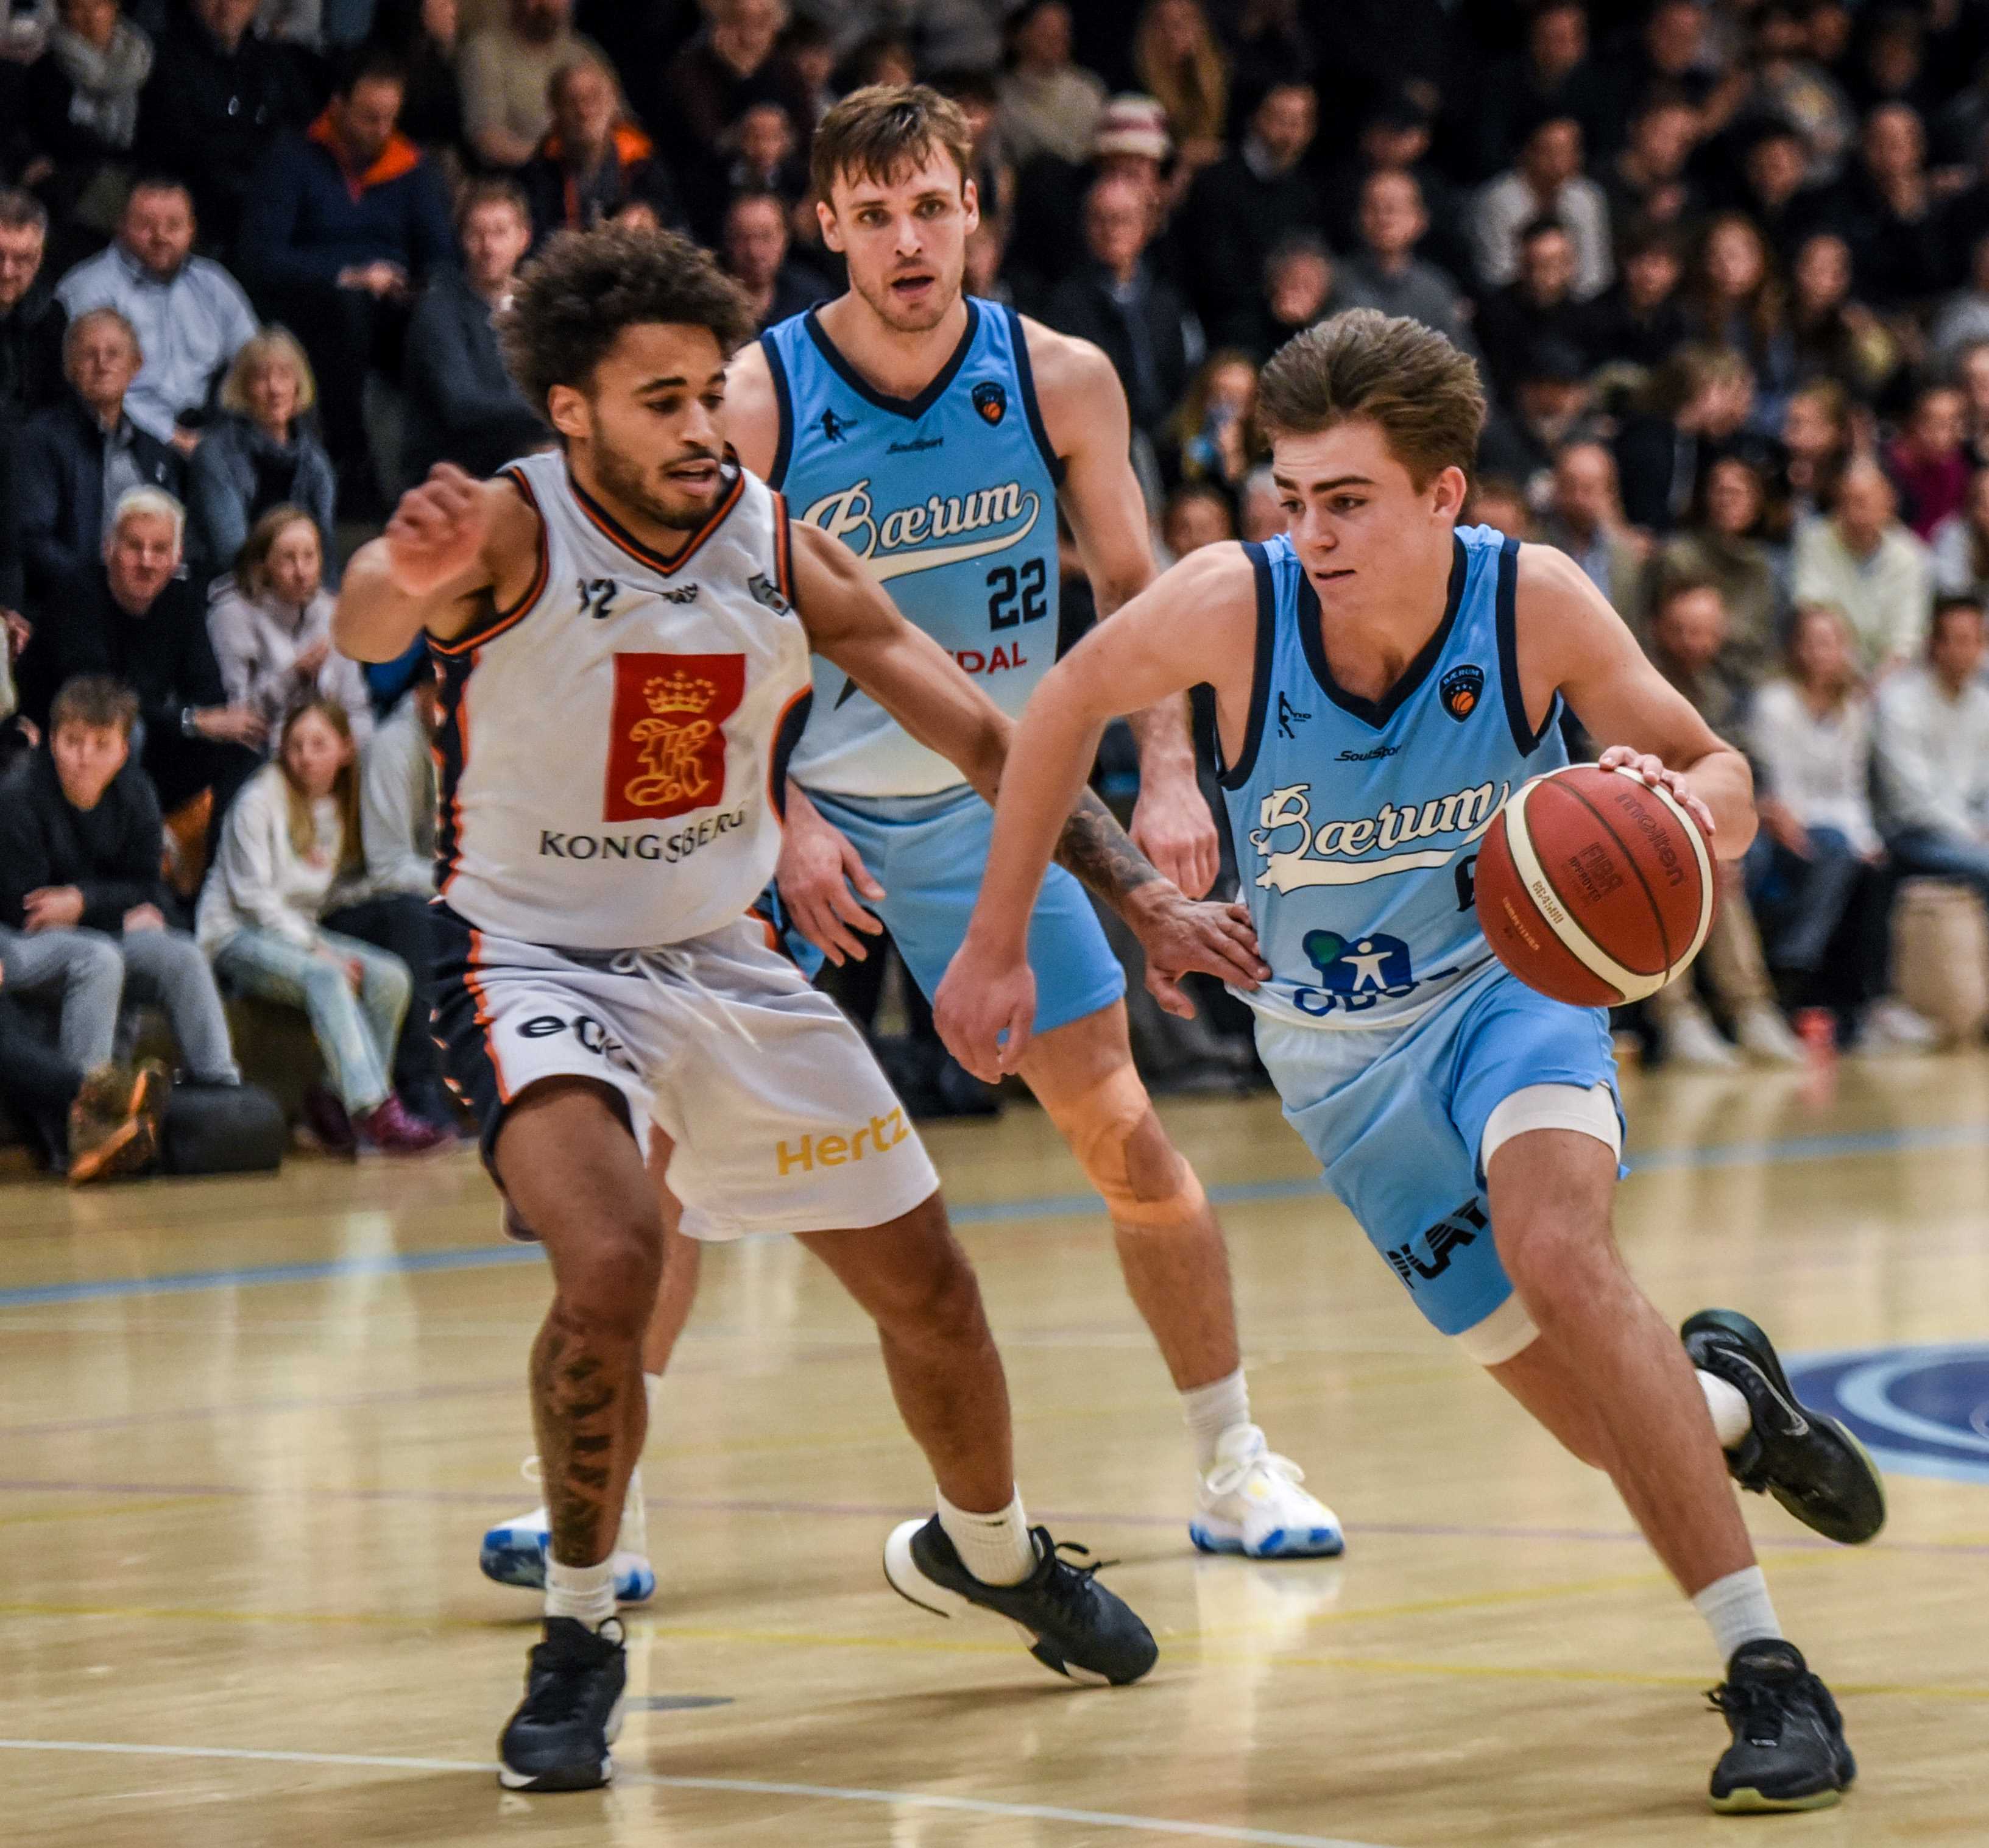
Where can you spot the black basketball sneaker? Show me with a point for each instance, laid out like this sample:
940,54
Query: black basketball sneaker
1788,1750
1071,1623
1809,1463
558,1738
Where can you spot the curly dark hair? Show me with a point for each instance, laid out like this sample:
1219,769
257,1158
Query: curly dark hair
573,301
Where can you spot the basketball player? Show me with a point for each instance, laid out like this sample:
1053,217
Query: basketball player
1382,681
623,631
935,435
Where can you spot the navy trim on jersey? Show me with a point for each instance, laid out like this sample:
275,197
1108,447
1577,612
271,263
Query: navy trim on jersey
1236,775
1371,712
609,527
1025,377
500,620
786,735
1505,616
451,754
784,447
912,409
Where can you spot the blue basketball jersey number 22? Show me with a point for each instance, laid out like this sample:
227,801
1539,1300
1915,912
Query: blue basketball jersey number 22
950,498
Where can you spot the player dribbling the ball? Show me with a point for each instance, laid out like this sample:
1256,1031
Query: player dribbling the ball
1384,680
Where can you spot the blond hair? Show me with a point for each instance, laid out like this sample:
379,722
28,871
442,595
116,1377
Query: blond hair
1422,392
344,789
1195,95
272,344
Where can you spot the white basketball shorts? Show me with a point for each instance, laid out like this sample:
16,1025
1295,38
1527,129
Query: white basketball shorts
778,1117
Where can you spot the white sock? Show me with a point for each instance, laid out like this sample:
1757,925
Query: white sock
633,1536
996,1548
1732,1420
652,1390
1220,1405
1738,1609
585,1592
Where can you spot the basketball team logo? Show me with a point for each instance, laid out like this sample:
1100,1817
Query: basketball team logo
666,748
1460,690
991,400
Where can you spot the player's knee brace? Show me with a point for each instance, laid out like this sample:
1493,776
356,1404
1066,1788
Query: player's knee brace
1151,1187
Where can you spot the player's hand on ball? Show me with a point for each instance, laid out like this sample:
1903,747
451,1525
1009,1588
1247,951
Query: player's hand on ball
1179,934
981,999
817,871
1651,771
437,532
1173,827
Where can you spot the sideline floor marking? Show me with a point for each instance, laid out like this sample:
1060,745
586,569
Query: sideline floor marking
1052,1206
907,1799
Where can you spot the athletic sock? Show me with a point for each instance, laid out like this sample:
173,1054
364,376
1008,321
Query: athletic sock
996,1548
1738,1609
583,1591
1732,1420
633,1535
1220,1405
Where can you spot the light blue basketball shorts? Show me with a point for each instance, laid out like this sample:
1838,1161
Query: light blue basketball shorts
928,852
1397,1120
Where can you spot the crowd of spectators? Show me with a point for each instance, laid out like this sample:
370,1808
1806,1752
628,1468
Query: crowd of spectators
1725,264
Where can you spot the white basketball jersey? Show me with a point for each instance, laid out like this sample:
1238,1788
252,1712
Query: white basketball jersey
610,746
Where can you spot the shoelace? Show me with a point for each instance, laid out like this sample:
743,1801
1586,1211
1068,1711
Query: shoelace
1069,1583
1764,1707
1226,1478
555,1697
683,965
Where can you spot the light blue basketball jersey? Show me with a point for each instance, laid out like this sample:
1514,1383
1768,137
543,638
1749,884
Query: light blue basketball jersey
1356,823
949,498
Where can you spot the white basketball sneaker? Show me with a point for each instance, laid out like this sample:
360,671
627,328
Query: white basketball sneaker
514,1551
1250,1503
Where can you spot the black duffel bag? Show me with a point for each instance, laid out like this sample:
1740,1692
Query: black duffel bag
222,1129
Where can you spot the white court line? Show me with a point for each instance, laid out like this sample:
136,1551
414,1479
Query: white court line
911,1799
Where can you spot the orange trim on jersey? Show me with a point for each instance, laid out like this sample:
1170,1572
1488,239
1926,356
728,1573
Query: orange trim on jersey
504,1091
766,924
612,529
773,750
509,618
783,565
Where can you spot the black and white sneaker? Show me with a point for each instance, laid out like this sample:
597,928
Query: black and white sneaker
1788,1750
1809,1463
1071,1623
558,1738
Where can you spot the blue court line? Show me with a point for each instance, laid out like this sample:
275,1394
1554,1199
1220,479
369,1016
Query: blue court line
1052,1206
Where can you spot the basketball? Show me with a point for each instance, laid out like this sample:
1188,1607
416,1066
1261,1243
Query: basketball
1594,887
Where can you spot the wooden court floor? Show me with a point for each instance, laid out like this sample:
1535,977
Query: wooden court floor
253,1429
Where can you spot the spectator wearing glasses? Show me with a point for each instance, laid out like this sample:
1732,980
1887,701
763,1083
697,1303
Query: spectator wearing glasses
78,459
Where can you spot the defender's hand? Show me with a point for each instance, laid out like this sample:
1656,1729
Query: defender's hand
983,998
1179,934
1173,827
437,532
1651,771
817,868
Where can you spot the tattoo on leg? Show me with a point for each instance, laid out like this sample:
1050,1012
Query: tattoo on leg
578,1406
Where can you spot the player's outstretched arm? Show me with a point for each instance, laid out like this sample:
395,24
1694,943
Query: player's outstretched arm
1196,623
1084,410
453,545
1570,638
852,621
